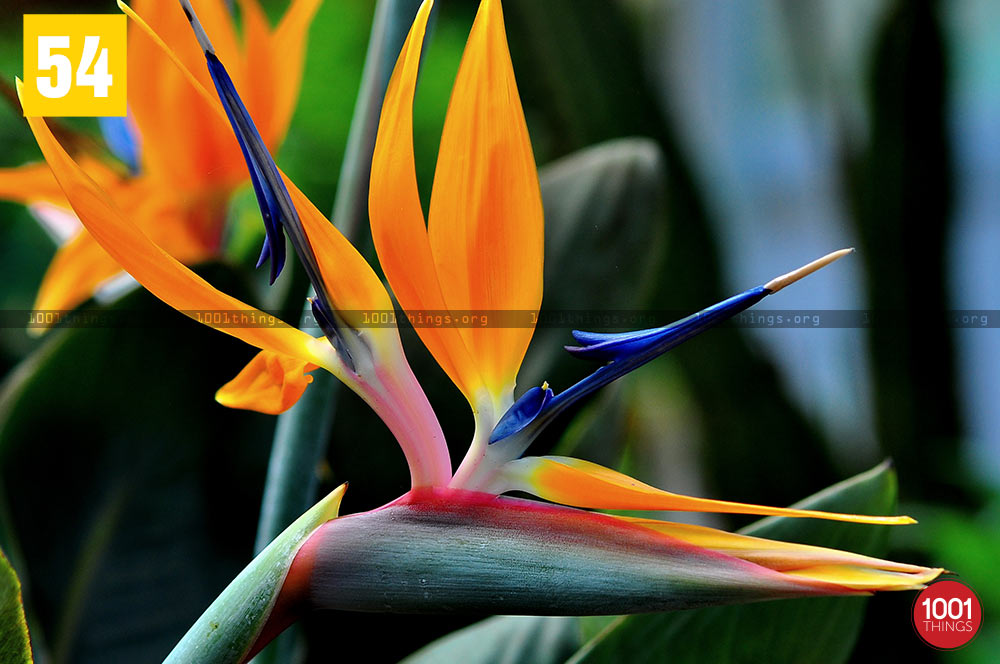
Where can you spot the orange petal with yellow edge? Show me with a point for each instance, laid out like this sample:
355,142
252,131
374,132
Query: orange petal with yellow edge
159,272
271,383
866,578
773,554
486,220
580,483
397,220
816,563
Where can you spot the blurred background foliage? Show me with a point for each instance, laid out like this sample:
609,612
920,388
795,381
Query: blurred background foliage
734,140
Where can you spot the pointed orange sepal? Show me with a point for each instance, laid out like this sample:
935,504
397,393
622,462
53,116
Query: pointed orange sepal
486,221
817,563
583,484
397,220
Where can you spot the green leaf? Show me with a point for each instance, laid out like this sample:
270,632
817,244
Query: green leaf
118,467
506,640
604,238
821,630
15,645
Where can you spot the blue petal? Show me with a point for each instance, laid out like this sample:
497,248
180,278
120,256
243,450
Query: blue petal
267,184
121,138
276,207
622,353
608,347
524,411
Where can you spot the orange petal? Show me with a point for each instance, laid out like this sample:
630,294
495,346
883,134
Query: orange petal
184,140
258,93
75,272
82,265
486,222
773,554
813,562
159,272
397,220
353,285
34,182
287,47
30,183
271,383
583,484
868,579
350,280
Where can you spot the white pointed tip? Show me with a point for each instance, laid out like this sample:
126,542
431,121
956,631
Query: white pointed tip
776,284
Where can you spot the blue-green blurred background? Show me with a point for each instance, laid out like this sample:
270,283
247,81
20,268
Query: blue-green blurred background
774,131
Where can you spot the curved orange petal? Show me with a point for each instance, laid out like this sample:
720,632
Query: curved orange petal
486,221
350,280
583,484
159,272
271,383
868,578
773,554
397,220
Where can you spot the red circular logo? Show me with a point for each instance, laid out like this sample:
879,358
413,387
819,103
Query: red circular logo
947,614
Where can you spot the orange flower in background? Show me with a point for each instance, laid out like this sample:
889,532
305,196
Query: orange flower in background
178,162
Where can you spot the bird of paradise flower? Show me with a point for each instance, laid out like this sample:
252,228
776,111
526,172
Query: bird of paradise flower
175,171
455,542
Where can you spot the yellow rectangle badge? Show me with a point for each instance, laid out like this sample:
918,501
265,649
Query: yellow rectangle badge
74,65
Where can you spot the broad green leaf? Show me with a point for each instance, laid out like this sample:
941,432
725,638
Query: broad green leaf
15,645
821,630
968,541
605,234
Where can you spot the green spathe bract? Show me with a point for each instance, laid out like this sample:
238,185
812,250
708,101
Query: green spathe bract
833,622
448,551
229,627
